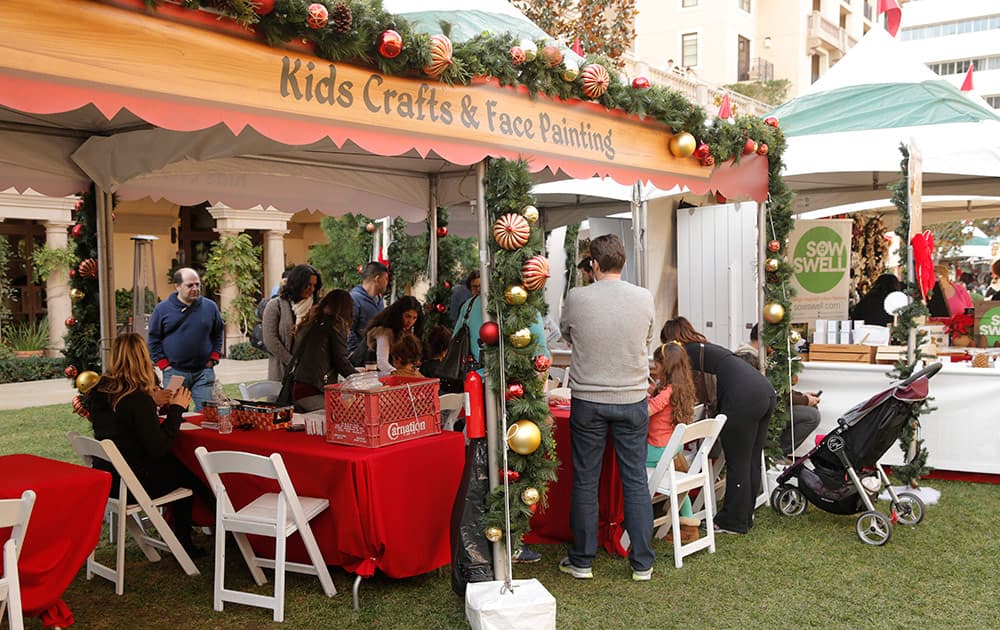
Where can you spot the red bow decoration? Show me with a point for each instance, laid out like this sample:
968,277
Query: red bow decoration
923,260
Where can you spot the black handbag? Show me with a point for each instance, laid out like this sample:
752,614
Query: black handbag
285,396
458,361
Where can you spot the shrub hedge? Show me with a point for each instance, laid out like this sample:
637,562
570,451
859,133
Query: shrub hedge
246,352
31,369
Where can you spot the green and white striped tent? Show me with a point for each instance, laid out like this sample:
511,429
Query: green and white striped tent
844,132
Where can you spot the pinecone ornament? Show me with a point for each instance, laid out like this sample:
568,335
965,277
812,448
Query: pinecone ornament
341,18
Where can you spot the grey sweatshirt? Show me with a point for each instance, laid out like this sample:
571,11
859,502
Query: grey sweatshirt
609,325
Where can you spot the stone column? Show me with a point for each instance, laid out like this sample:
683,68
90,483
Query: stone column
227,294
274,257
57,289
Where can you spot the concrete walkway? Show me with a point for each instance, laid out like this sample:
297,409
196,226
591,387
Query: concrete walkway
61,390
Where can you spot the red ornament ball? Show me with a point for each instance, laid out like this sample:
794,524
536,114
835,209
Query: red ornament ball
489,333
720,198
533,507
447,284
749,147
440,308
88,268
72,272
76,231
442,231
514,390
390,44
71,371
517,56
70,322
773,245
370,228
512,475
542,363
361,268
761,149
262,7
640,83
708,160
702,151
317,16
552,56
772,121
78,407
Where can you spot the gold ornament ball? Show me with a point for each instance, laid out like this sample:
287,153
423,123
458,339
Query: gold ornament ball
516,295
772,264
531,214
493,534
530,496
572,70
682,145
86,380
524,437
794,337
76,294
774,313
520,338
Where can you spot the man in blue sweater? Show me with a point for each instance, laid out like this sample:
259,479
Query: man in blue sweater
368,302
185,336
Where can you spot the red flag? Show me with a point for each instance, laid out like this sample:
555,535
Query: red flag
893,14
577,48
725,109
967,84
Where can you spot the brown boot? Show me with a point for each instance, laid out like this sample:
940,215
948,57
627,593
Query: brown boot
689,533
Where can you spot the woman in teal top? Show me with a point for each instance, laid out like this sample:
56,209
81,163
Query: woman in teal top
472,309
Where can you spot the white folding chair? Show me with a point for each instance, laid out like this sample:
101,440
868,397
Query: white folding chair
277,515
14,513
451,405
266,391
123,512
670,484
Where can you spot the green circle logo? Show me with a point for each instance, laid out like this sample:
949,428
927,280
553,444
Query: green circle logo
821,260
989,326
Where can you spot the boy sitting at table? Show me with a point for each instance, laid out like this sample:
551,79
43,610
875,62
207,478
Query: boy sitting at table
405,354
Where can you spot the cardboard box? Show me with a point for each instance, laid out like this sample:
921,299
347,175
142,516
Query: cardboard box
842,353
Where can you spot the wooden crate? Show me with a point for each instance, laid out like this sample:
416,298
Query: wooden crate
842,353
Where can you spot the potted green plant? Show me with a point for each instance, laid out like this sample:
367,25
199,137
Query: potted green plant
29,339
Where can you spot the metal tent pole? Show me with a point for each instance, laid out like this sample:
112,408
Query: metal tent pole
105,271
432,250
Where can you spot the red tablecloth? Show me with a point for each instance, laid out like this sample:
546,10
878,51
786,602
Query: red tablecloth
551,523
390,507
64,528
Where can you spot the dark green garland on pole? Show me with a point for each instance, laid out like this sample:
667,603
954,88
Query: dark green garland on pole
508,186
83,338
914,452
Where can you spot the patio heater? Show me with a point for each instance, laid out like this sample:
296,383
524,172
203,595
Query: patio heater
143,283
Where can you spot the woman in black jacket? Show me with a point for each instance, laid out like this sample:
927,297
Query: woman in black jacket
324,331
747,400
123,408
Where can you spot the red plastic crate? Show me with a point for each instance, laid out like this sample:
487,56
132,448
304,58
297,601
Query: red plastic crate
403,409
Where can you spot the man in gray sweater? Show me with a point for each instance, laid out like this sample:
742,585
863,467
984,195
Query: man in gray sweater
609,325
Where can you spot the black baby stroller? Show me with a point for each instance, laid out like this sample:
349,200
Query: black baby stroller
831,476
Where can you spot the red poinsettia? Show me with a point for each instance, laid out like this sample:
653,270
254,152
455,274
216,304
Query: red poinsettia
960,324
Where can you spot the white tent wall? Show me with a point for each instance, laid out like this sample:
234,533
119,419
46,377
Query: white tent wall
717,270
661,258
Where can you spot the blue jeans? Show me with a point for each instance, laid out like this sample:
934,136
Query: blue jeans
629,425
200,383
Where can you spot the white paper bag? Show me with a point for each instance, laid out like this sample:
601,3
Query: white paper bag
488,606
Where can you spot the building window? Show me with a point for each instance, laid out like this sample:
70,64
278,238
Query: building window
994,101
817,6
957,27
689,50
815,68
685,4
745,5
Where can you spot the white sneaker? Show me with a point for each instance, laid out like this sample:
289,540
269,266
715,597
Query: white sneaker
580,573
642,576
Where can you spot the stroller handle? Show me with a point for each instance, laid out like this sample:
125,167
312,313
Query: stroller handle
928,372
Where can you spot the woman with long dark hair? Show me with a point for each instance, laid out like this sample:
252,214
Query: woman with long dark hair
123,409
403,315
324,358
282,314
747,400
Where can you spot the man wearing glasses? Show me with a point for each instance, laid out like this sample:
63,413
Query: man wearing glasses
185,336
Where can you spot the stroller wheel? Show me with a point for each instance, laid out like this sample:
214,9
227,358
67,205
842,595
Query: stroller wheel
874,528
788,500
910,509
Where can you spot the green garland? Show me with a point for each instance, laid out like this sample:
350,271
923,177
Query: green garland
83,338
508,186
910,472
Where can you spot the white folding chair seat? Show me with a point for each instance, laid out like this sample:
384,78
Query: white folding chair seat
123,514
666,483
277,515
266,391
14,513
451,405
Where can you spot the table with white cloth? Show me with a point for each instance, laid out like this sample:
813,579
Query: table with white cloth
961,434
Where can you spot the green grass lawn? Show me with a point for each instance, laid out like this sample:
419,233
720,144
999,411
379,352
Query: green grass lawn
806,572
